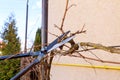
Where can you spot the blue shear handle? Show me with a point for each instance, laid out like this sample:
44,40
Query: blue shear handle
25,70
19,55
22,72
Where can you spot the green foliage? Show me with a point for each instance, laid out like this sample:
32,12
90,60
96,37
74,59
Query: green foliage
37,42
8,68
10,38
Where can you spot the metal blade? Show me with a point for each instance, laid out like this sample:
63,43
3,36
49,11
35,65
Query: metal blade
61,43
56,40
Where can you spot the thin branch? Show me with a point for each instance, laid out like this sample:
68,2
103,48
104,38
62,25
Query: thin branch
53,34
103,61
57,27
79,32
64,16
71,6
85,48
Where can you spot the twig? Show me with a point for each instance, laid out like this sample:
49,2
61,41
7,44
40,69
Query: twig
103,61
85,48
71,6
53,34
57,27
79,32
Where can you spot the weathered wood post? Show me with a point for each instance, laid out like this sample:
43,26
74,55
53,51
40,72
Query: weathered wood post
44,36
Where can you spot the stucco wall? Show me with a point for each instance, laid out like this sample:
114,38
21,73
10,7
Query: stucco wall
102,22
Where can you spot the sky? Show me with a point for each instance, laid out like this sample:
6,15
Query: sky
18,8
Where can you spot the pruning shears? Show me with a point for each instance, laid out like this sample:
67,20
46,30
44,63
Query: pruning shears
41,54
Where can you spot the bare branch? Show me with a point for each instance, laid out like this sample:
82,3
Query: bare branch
65,53
64,16
101,47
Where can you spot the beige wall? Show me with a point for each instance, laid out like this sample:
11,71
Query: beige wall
102,22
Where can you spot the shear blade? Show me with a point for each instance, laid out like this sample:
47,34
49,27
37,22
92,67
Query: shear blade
61,43
56,40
